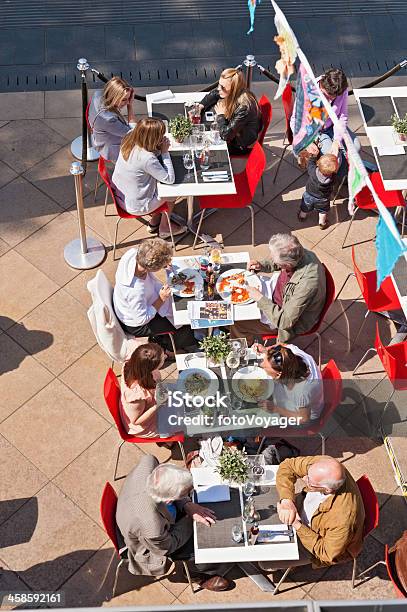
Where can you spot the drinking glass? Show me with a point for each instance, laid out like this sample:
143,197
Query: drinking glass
199,291
248,489
188,163
248,511
233,360
204,160
237,533
215,136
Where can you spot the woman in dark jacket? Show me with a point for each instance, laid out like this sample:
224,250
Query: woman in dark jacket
237,112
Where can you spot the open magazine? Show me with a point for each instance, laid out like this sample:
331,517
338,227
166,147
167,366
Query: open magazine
210,314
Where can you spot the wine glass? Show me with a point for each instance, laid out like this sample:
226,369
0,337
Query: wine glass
237,533
248,489
259,356
233,360
204,159
188,163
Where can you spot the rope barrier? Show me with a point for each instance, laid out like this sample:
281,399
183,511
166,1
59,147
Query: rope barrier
84,89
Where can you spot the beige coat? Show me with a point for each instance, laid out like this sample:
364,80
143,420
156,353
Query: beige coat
303,299
148,529
335,533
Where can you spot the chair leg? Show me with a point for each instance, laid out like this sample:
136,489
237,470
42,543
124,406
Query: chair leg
116,577
106,198
353,572
173,344
117,460
252,216
169,225
363,358
96,187
280,582
343,310
322,443
369,569
339,189
188,575
279,163
349,226
319,349
181,448
385,408
115,238
262,186
403,222
343,285
198,229
360,329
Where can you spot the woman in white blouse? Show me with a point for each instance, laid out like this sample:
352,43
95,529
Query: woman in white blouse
143,162
298,387
141,301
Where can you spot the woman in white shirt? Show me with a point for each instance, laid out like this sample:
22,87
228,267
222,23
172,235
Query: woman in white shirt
141,301
143,162
298,387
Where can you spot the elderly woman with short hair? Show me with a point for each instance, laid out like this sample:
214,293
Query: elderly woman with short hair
291,302
141,301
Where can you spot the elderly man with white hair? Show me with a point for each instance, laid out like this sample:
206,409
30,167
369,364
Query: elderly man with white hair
291,302
328,515
155,517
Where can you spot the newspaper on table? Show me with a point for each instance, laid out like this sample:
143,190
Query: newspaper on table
210,314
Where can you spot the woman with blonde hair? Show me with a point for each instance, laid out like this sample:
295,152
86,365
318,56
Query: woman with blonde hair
237,112
143,161
106,119
140,375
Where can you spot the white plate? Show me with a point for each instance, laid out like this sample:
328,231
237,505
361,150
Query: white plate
252,280
206,373
251,372
179,289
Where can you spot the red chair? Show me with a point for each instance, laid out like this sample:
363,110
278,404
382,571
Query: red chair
122,214
246,183
330,297
288,106
111,392
385,299
371,506
108,505
394,361
364,201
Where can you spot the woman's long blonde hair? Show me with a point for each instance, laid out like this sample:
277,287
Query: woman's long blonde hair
148,135
114,92
238,94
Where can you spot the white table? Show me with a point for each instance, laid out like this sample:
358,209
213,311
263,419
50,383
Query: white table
242,312
278,551
190,190
377,123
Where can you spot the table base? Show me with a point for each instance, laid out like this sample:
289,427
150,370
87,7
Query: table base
262,581
191,219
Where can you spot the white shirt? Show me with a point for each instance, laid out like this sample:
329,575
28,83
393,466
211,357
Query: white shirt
312,501
309,392
133,297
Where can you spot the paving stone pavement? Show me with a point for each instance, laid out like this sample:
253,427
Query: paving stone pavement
57,439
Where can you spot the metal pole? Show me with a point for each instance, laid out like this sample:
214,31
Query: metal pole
83,253
78,143
249,62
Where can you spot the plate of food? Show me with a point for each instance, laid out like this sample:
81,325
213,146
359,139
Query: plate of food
232,285
198,381
252,384
183,282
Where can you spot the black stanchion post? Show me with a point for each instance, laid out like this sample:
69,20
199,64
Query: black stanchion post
82,147
250,63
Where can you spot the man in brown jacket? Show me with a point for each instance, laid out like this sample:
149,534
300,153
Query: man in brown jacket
328,515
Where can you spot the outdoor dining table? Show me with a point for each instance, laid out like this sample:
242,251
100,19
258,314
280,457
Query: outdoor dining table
229,261
377,106
215,544
190,185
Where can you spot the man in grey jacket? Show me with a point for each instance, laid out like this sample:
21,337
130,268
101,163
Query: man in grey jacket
155,517
295,300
